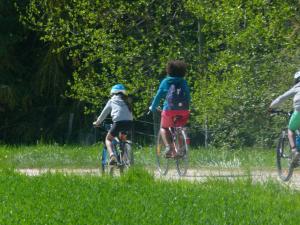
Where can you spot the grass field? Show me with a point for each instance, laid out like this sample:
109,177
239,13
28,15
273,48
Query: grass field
49,156
138,198
55,156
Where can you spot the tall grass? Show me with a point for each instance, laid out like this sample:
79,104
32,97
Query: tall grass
219,158
54,156
136,198
50,156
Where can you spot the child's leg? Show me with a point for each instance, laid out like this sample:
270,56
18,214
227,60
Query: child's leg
165,134
108,141
291,136
166,121
115,130
170,150
295,153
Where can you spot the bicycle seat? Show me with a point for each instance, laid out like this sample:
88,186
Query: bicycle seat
178,117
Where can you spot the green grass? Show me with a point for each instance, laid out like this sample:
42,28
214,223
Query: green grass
55,156
218,158
136,198
253,158
49,156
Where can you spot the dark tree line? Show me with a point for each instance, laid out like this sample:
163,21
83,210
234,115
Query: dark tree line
33,85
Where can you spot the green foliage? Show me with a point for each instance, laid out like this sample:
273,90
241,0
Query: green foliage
66,199
237,52
245,45
116,42
31,83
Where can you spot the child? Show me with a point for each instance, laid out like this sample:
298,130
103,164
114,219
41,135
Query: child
175,91
121,113
294,122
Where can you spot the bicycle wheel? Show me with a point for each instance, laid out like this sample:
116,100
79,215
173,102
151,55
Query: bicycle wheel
182,152
284,157
104,159
127,155
162,161
106,168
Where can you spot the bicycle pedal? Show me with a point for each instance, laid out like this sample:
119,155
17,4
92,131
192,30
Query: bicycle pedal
120,164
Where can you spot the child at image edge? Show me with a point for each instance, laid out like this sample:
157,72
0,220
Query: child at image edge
121,112
176,71
294,122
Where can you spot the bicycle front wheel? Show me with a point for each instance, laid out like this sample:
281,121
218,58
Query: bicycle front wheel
284,157
162,161
104,159
182,152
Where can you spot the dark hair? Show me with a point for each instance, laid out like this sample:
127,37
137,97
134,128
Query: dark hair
126,100
176,68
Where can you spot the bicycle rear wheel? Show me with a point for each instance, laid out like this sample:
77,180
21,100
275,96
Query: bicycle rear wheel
106,168
162,161
127,155
284,157
182,152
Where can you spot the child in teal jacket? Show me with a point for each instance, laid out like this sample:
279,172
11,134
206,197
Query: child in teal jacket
176,94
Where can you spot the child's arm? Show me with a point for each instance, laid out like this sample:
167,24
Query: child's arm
157,97
103,115
282,98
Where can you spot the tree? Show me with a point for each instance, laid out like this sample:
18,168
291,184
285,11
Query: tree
116,42
243,42
31,83
228,44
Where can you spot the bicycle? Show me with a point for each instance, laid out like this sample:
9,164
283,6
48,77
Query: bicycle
180,142
122,148
284,154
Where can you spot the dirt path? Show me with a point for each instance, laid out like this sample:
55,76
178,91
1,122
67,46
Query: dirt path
192,174
256,175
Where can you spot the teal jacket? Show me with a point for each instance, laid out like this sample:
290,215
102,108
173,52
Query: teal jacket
163,90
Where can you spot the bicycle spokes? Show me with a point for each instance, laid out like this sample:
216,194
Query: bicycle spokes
162,161
123,152
182,153
284,157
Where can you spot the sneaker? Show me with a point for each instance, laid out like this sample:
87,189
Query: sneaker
170,153
112,160
295,157
181,152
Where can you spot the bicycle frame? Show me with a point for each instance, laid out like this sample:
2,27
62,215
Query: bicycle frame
118,144
121,148
179,141
173,131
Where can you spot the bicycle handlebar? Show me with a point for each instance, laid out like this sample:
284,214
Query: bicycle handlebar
158,109
103,126
281,112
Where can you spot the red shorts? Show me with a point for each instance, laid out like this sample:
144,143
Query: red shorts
168,118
